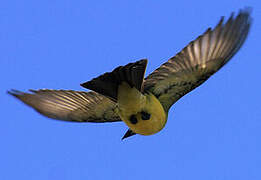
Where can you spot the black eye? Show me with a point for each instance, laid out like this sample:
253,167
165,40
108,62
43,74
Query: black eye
133,119
145,115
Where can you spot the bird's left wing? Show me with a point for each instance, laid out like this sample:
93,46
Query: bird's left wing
199,60
70,105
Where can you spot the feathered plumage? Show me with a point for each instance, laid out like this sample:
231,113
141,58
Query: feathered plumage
181,74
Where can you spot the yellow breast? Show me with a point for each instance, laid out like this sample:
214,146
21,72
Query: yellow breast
143,114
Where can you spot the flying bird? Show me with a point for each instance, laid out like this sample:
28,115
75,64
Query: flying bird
143,103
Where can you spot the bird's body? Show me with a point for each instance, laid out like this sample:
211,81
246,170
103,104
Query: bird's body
143,113
143,103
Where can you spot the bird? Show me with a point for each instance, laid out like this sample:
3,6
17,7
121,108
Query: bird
143,103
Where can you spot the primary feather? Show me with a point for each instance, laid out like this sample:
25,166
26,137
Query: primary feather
199,60
70,105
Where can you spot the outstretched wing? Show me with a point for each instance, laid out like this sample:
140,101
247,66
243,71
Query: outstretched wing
199,60
70,105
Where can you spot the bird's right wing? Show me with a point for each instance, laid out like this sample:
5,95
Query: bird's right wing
198,60
70,105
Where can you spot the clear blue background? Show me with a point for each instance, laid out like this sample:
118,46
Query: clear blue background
213,133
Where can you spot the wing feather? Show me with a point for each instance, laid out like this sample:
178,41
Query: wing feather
198,60
70,105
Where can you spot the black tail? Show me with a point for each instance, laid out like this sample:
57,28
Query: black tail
107,84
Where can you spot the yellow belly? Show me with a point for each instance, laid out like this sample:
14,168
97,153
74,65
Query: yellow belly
132,102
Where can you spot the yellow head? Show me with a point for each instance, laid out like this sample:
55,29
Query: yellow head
143,114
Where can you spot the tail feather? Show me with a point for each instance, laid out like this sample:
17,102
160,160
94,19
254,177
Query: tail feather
107,84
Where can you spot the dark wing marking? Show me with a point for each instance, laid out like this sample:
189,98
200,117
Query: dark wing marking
70,105
107,84
199,60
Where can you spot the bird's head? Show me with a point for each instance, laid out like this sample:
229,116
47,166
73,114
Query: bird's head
150,119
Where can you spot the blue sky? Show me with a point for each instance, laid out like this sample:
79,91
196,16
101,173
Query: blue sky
212,133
